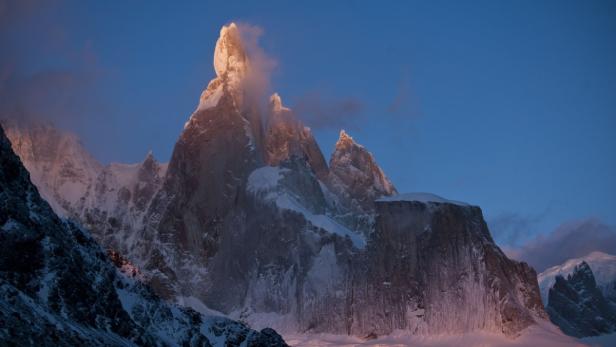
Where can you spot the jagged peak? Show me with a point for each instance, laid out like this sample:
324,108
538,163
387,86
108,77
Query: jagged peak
230,54
276,103
345,140
149,157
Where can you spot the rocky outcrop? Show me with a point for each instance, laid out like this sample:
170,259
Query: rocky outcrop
355,176
577,306
58,288
286,137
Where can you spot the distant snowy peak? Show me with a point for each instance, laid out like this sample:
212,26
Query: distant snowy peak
355,174
59,165
602,265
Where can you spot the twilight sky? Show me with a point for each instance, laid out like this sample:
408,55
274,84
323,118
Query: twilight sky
510,105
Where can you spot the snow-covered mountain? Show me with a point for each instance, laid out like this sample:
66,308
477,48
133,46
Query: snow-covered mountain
110,200
249,220
580,294
59,165
58,287
577,305
602,265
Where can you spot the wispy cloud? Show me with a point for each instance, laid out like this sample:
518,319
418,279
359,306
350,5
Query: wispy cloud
320,112
511,229
570,240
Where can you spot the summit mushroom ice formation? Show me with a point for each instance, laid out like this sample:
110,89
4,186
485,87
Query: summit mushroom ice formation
250,220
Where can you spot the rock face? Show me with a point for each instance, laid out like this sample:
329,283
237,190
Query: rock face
286,137
57,286
577,305
249,220
433,268
355,176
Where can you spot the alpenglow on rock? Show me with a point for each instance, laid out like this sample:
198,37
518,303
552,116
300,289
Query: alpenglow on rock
248,220
58,288
355,176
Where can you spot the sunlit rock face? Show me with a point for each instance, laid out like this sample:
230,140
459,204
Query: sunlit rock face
286,137
433,268
58,288
355,176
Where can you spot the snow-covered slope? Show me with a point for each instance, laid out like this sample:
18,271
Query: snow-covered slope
57,286
109,200
58,163
602,265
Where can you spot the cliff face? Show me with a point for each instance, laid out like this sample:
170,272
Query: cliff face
433,268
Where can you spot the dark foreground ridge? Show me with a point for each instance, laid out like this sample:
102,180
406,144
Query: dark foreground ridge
58,287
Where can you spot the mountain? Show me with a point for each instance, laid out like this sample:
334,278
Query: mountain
577,305
58,287
249,220
355,176
110,200
59,165
580,294
602,265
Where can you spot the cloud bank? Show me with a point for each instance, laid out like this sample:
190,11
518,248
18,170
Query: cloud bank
570,240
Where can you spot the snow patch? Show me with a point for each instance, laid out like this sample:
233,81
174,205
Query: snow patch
284,201
211,100
197,305
265,178
421,197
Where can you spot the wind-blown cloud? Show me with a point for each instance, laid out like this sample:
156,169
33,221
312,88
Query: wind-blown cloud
320,112
262,65
570,240
510,229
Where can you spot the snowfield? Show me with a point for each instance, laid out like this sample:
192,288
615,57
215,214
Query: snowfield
422,197
542,335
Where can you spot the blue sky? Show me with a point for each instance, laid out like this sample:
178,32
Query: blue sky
510,105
